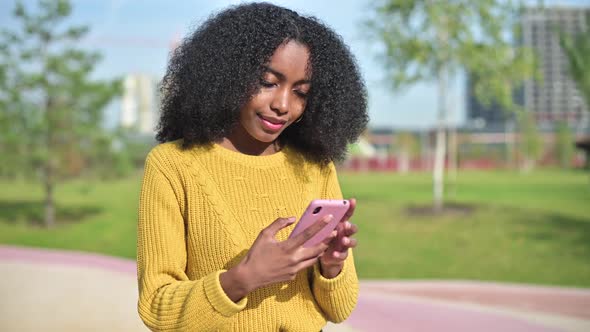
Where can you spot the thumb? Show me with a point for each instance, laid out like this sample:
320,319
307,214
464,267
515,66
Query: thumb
279,224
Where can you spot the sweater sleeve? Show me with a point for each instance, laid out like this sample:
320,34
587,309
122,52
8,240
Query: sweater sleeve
168,300
337,296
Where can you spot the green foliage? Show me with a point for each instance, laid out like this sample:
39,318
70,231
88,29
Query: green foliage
577,51
52,109
407,143
471,151
422,37
564,145
531,143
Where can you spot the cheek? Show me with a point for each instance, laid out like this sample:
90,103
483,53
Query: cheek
299,109
249,110
257,102
299,105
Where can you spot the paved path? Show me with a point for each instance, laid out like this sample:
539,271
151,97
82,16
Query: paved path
52,290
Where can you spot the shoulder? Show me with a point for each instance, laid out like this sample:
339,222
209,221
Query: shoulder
315,170
303,160
168,156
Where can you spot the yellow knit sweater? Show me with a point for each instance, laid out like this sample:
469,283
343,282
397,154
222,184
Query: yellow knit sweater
200,211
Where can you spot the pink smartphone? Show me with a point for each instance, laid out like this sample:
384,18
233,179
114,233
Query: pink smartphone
316,210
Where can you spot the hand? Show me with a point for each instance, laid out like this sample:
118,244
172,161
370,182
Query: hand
269,261
332,261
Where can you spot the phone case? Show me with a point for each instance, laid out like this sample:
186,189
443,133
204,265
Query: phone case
315,211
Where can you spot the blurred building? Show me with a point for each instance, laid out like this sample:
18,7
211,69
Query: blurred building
556,98
140,104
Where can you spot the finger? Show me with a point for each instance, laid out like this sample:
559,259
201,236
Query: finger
341,255
341,229
318,249
309,232
341,233
349,242
325,244
331,238
351,207
350,228
277,225
344,243
307,263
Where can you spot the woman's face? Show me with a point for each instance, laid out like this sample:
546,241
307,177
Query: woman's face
281,99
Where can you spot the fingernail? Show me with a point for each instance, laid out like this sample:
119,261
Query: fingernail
328,218
291,219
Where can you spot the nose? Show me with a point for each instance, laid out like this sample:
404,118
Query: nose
280,101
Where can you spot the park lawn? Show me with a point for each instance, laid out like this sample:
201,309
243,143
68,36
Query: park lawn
524,228
533,228
93,216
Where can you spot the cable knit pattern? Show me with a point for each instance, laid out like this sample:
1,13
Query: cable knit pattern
200,211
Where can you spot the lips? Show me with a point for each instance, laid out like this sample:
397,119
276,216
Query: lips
271,123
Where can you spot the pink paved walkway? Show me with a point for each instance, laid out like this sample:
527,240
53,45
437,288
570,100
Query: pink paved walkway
383,305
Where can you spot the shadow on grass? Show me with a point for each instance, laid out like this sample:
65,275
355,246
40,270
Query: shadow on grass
32,213
552,227
449,209
570,234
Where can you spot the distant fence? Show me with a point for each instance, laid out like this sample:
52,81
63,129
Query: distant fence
393,164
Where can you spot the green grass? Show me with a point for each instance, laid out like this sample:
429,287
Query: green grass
533,228
525,228
95,217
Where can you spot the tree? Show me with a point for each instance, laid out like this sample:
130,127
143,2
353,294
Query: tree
531,144
564,145
577,51
431,40
406,147
51,108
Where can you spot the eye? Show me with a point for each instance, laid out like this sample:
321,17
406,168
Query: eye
267,84
302,94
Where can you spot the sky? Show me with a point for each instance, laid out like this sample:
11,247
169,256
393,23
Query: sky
134,36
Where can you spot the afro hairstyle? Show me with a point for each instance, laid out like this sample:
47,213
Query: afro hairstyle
215,71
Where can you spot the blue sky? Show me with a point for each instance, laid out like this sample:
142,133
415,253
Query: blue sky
135,35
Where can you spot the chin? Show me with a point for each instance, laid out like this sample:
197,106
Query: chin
267,138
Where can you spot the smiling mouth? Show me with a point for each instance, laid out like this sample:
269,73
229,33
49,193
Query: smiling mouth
271,124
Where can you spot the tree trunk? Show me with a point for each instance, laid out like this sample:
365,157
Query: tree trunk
404,162
49,180
452,161
509,138
425,158
440,149
528,164
439,169
49,221
441,140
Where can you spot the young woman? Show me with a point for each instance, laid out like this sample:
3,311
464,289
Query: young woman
257,105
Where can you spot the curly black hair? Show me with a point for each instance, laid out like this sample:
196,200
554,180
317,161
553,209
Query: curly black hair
216,70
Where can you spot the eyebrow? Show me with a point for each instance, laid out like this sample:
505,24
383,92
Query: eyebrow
282,77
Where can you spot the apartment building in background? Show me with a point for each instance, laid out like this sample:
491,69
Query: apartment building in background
140,104
555,98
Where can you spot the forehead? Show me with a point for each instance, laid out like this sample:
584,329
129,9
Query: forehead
292,60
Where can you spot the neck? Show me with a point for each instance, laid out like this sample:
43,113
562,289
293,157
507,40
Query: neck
240,141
